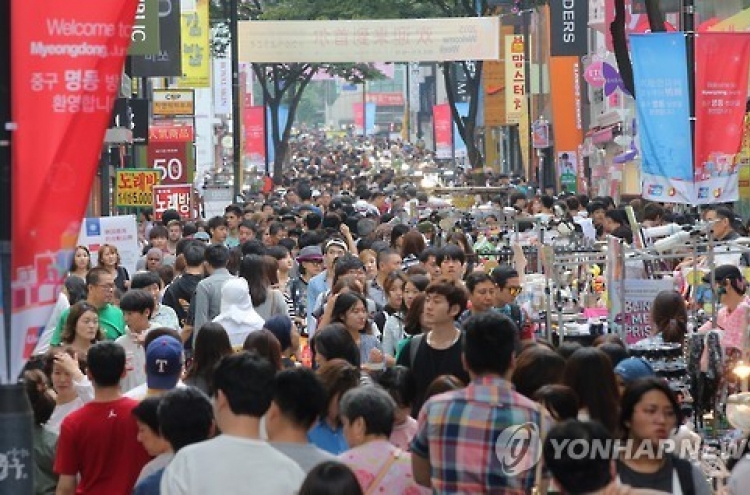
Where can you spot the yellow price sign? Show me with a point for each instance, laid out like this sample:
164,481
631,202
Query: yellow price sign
134,187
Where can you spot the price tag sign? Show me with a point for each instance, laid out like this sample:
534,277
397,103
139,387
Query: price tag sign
173,160
173,197
134,187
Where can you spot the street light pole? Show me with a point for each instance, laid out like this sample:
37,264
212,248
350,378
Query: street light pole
236,103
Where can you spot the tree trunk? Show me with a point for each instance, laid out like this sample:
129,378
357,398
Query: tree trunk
466,125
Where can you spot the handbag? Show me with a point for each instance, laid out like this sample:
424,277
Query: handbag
383,471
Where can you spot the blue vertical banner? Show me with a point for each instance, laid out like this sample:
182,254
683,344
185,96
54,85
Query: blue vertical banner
663,105
459,145
370,110
283,117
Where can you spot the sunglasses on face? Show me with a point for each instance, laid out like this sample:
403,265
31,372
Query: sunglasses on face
514,291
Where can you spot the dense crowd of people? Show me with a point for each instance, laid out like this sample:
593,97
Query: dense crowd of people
315,341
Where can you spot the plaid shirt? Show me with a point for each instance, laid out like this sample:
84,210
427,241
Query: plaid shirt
458,431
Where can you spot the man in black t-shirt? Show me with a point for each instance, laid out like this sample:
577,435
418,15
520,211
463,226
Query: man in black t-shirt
181,290
437,352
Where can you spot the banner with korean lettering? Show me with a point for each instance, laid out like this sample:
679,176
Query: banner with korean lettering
255,144
663,111
196,50
66,65
133,187
167,62
722,61
567,123
515,79
177,197
443,122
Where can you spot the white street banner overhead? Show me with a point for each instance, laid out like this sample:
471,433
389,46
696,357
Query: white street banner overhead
400,40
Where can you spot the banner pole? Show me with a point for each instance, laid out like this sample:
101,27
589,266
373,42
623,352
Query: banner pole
236,103
16,420
688,27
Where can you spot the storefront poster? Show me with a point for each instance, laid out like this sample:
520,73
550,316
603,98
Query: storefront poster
722,61
66,65
119,231
663,110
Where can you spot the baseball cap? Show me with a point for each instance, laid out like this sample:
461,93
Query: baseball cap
163,363
310,253
337,242
633,368
724,272
201,236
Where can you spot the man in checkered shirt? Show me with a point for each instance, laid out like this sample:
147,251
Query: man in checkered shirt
468,440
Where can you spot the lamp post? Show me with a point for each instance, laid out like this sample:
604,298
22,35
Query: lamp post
236,104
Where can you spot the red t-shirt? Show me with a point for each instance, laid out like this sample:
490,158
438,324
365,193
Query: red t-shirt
98,442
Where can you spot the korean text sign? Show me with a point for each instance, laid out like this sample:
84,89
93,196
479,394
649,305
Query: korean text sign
196,51
134,187
174,197
515,79
66,65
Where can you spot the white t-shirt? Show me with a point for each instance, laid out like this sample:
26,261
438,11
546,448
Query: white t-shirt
135,363
231,465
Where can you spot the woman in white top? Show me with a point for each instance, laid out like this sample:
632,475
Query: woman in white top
72,388
237,316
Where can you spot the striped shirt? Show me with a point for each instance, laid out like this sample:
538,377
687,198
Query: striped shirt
458,431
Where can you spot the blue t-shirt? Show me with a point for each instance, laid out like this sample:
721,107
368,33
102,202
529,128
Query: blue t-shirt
150,484
328,439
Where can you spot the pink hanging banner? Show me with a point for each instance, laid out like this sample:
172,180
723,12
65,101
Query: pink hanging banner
443,121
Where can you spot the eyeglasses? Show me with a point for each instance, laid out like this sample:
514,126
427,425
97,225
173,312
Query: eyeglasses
514,291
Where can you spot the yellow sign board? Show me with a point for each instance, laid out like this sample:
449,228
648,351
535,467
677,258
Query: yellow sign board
196,51
134,187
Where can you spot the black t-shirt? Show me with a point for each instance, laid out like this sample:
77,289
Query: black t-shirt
430,363
180,292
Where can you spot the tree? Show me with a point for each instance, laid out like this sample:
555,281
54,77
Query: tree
286,83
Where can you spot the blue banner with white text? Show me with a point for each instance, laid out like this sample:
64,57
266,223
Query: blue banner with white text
663,106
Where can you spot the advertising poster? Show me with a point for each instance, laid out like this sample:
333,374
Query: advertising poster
145,34
133,187
119,231
173,161
255,144
567,170
636,306
567,123
175,197
722,61
65,77
441,115
569,26
663,111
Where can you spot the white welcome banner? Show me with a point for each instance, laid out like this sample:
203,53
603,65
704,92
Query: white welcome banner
398,40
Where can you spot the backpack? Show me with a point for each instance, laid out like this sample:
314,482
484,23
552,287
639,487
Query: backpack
413,348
